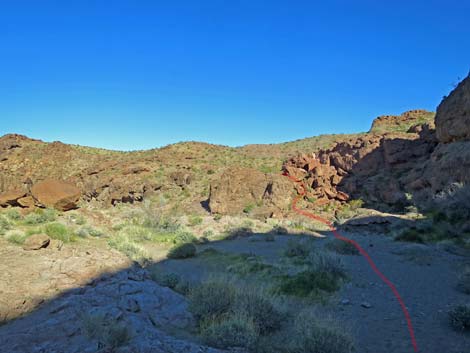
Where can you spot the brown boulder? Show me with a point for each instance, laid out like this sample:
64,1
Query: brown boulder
26,202
11,197
236,189
36,242
58,194
453,114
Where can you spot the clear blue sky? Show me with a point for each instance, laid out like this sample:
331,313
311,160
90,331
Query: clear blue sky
140,74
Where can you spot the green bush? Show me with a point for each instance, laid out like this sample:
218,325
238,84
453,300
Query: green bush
464,281
110,334
324,274
40,216
312,336
129,248
342,247
296,249
212,298
17,238
182,251
4,225
58,231
170,280
460,317
324,262
279,230
195,220
355,204
13,214
411,235
259,306
234,330
308,284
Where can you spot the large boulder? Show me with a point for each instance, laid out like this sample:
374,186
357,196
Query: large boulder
10,198
58,194
237,189
453,114
36,242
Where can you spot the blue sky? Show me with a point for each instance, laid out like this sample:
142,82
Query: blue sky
141,74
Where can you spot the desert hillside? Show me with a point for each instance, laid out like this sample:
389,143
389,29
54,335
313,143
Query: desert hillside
195,247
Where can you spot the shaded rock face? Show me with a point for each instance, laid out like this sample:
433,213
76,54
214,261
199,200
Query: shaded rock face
59,291
57,194
453,115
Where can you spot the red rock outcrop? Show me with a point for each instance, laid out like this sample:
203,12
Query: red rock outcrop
58,194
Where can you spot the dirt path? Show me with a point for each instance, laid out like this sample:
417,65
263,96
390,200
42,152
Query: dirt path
425,275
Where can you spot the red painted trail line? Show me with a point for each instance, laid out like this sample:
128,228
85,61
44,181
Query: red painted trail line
363,253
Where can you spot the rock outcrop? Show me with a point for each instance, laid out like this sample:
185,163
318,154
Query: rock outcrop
453,115
63,292
57,194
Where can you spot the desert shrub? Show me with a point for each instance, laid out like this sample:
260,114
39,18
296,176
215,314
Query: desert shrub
17,237
109,334
13,214
32,231
58,231
136,233
233,330
4,225
260,306
212,298
129,248
269,237
355,204
182,251
237,232
89,231
170,280
279,230
324,262
208,234
248,208
342,247
312,336
78,219
464,281
323,274
460,317
184,237
410,235
40,216
296,249
217,217
308,284
454,202
194,221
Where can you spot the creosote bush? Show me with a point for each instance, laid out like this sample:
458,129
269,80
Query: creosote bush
232,330
182,251
40,216
110,334
58,231
297,249
460,317
342,247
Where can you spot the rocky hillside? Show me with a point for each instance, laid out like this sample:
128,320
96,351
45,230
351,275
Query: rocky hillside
188,173
399,156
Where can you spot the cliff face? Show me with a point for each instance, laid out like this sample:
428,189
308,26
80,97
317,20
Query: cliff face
453,115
